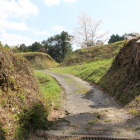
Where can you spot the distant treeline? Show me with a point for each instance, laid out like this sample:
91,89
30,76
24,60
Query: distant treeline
115,38
57,46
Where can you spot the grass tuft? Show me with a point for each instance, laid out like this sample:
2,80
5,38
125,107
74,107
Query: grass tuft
49,88
136,129
31,119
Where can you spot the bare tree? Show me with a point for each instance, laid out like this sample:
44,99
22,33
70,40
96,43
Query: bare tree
88,31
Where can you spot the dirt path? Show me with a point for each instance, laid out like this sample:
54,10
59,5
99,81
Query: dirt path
94,113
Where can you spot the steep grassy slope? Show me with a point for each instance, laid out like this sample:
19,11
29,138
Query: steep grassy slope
39,60
123,78
23,108
93,54
120,79
92,63
91,72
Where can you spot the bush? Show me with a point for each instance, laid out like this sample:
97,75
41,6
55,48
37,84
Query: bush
30,120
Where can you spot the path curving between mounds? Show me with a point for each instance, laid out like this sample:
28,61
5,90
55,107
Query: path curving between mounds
90,111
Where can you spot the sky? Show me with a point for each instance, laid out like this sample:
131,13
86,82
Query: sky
27,21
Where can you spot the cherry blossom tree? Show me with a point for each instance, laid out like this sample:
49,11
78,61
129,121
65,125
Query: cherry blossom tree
87,33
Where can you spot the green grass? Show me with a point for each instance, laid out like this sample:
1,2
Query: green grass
107,120
34,118
92,122
115,74
74,133
92,71
38,60
30,120
133,111
81,89
94,53
49,88
136,129
88,128
99,116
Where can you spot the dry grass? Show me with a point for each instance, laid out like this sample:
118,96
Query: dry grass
19,92
39,60
92,54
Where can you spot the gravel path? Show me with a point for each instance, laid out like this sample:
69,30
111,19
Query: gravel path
89,111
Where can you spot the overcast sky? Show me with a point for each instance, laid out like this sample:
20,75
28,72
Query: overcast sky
27,21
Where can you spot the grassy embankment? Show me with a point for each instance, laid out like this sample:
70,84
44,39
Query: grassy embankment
39,60
92,63
97,65
93,54
91,72
23,107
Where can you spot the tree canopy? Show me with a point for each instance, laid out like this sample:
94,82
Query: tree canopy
57,46
115,38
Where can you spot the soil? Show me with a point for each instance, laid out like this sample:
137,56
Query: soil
87,110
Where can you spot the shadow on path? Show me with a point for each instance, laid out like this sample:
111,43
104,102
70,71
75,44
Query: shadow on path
94,113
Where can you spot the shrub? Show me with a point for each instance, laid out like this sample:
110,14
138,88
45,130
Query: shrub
31,119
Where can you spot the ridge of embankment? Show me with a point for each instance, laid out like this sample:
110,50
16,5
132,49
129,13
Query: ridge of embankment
39,60
92,54
114,67
123,78
23,109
